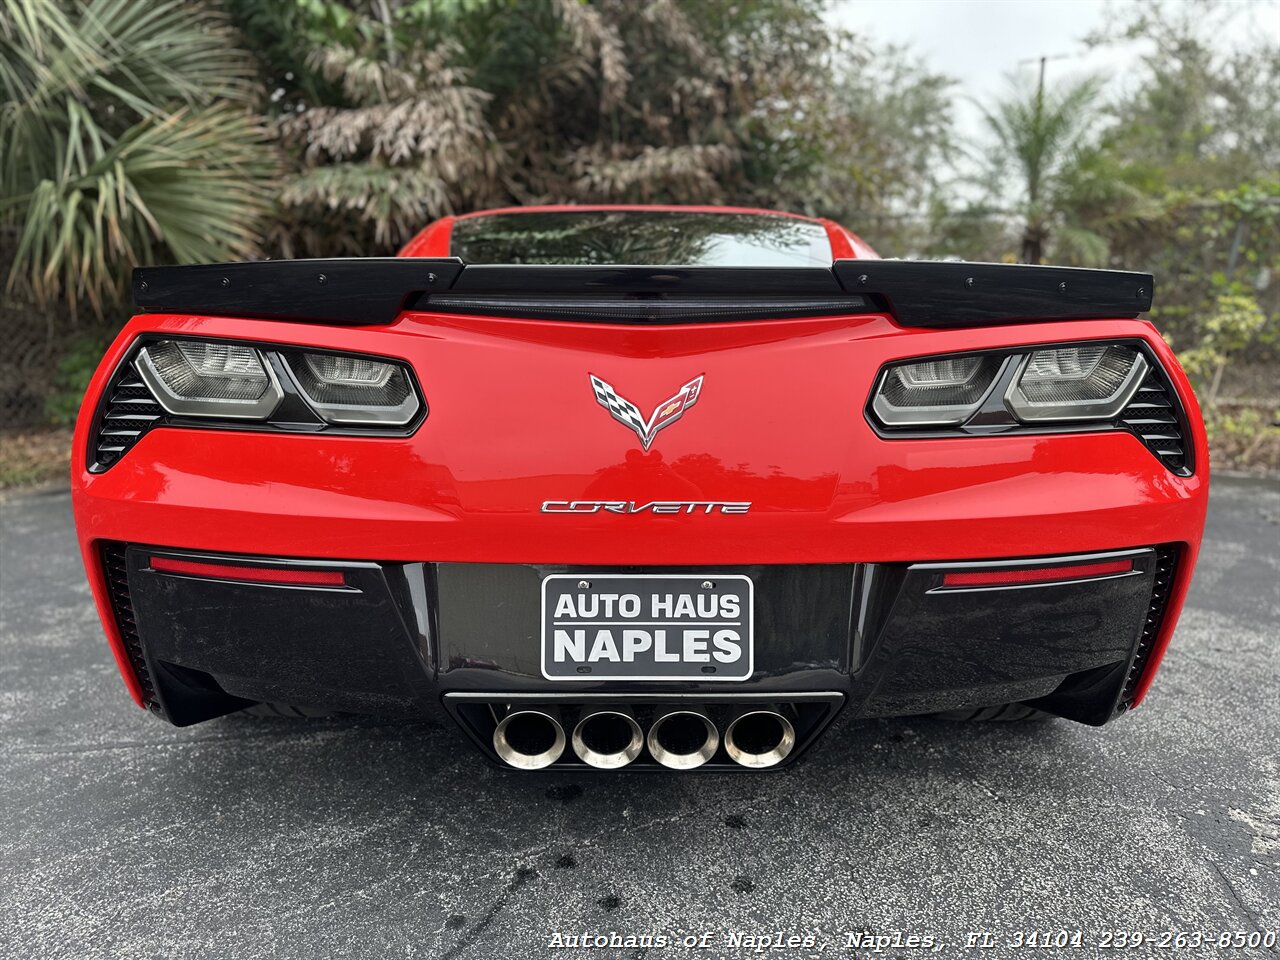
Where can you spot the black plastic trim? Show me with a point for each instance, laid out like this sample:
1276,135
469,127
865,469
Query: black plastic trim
657,309
890,643
1167,557
922,293
1173,447
574,281
115,571
1062,646
214,645
932,293
341,290
126,412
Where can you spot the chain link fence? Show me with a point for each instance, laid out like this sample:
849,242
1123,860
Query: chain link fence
46,358
44,365
29,355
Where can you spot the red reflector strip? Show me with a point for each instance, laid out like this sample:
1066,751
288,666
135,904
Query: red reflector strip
227,571
998,578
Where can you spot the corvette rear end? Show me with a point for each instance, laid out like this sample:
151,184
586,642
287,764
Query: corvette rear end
639,515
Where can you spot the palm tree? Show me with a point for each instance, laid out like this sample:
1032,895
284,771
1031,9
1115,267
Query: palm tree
124,138
1045,133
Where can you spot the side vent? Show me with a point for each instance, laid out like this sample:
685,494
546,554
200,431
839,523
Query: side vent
117,574
1153,415
1166,566
129,411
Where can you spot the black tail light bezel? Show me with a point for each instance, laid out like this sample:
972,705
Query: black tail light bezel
293,415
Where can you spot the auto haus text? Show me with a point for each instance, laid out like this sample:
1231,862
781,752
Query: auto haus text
719,641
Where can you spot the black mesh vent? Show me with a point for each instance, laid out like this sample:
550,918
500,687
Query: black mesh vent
130,411
117,574
1166,565
1155,418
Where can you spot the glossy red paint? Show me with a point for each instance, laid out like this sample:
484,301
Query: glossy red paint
513,422
431,242
846,245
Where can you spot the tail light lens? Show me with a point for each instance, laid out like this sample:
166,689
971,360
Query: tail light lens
943,392
346,389
1087,382
203,378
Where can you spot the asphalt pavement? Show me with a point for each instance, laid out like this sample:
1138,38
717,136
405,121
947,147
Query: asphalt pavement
121,836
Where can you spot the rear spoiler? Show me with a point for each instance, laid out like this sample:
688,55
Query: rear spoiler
917,293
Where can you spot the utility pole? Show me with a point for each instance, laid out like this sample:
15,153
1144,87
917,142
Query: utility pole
1033,236
1043,60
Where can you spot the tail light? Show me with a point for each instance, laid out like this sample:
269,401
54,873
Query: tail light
1058,388
230,385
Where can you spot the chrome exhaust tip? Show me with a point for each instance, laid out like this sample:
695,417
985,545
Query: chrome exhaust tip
759,738
529,739
683,739
608,738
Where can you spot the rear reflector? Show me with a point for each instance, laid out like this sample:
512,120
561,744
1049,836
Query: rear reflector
226,571
1007,577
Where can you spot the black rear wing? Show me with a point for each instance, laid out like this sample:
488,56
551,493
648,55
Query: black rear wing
917,293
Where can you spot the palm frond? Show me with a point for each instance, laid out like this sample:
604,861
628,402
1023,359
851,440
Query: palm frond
188,187
110,154
394,201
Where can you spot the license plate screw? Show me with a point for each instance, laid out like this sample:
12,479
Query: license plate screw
708,585
584,584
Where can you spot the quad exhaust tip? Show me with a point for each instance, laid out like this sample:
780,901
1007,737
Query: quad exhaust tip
608,738
683,739
759,738
529,739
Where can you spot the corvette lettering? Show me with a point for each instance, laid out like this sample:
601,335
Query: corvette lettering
652,506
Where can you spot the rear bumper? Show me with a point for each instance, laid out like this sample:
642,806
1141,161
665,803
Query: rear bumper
513,425
396,638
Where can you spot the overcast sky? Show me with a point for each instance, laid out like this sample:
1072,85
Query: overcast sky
978,41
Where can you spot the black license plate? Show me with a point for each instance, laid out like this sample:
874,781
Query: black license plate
647,627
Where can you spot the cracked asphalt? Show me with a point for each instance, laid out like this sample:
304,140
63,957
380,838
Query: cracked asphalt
243,837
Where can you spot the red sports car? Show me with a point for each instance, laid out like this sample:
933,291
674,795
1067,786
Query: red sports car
646,487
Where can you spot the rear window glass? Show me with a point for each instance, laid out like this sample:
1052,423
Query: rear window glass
651,237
